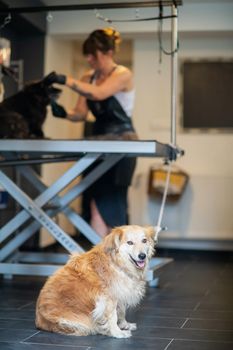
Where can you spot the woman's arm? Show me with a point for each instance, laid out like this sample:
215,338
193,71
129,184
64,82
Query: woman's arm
80,111
120,80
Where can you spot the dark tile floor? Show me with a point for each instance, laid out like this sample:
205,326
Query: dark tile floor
192,309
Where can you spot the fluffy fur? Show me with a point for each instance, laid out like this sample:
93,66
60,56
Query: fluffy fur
23,114
91,293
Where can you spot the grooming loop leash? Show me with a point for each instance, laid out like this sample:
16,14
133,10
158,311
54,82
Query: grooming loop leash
158,227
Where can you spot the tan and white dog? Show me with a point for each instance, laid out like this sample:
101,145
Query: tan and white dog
91,293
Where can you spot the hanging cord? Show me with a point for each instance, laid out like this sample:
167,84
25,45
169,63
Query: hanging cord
160,34
109,20
158,227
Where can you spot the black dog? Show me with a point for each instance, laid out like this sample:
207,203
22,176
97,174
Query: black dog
23,114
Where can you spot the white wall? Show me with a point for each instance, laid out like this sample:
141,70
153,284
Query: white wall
206,30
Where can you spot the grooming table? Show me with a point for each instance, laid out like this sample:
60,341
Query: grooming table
22,154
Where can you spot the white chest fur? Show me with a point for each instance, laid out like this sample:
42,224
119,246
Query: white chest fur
126,289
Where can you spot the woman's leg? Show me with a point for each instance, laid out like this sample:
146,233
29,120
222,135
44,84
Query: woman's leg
108,209
97,222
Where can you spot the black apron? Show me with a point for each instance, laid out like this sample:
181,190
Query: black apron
112,119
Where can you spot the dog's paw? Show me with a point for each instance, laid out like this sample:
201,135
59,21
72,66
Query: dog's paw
132,326
128,326
122,334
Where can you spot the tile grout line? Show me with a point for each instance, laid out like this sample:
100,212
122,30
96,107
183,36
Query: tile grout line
23,306
22,341
57,345
206,329
187,319
200,341
168,344
197,306
16,319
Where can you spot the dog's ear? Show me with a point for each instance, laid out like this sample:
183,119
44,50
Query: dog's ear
112,240
151,233
152,238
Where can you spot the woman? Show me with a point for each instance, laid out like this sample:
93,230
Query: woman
107,91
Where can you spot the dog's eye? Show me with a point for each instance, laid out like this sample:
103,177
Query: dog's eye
144,240
129,242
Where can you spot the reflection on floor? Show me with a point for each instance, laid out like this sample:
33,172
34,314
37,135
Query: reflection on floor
192,309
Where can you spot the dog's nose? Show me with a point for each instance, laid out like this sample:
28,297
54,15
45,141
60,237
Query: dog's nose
142,256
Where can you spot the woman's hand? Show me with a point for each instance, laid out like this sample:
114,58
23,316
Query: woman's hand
58,110
54,78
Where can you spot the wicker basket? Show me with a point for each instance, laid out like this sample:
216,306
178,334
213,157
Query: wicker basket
157,182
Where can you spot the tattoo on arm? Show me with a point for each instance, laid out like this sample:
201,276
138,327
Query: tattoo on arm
76,88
